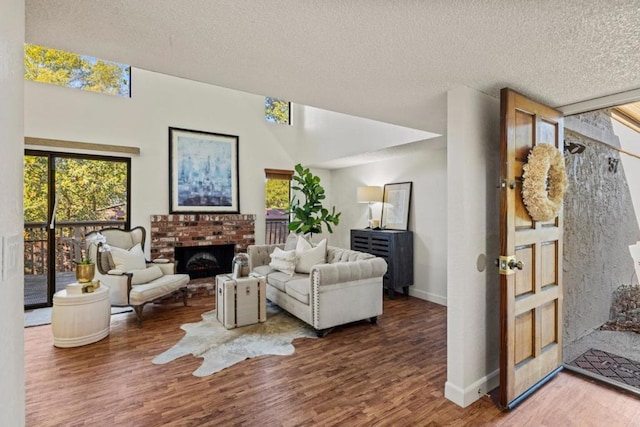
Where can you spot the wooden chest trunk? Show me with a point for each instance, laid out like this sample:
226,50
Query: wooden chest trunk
241,301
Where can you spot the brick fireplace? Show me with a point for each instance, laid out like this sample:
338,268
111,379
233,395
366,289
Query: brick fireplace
171,231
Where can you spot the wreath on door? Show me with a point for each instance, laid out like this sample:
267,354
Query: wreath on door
544,182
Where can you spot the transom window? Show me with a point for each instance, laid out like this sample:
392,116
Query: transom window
58,67
277,111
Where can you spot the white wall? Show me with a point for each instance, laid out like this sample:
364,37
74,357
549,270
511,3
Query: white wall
158,102
161,101
324,135
12,389
425,164
473,173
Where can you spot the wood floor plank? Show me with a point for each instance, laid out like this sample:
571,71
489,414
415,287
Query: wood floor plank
389,374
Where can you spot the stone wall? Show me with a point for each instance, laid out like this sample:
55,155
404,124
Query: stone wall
625,309
599,225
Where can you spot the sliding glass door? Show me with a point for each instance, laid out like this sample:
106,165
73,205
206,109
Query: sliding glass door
65,197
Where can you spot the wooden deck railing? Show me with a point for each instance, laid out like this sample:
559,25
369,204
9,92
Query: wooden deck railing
276,230
69,241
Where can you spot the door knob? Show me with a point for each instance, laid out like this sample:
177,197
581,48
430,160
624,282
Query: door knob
513,264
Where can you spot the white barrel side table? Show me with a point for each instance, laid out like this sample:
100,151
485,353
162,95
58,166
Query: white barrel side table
80,319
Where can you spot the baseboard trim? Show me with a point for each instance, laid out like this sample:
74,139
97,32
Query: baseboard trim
465,397
427,296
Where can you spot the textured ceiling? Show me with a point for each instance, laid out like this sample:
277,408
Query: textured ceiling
391,61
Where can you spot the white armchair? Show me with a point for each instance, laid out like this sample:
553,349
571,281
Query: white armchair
132,280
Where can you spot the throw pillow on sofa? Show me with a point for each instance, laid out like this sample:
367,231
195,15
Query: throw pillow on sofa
292,240
308,256
284,261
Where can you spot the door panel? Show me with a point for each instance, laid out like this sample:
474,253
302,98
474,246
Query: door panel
36,230
531,296
65,197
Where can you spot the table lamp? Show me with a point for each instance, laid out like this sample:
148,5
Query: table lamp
370,195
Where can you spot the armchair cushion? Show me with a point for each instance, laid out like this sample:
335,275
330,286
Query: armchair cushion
160,287
146,275
169,268
128,260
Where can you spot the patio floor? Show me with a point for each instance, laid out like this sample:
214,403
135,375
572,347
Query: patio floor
35,286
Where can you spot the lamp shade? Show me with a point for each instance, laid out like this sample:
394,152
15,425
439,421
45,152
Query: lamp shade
369,194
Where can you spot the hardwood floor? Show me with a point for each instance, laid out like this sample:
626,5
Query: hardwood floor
392,374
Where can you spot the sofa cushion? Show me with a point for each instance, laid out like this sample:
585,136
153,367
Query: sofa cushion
263,270
284,261
279,280
309,256
145,275
299,289
127,260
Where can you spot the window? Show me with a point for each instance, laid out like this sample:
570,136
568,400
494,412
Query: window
58,67
277,194
277,111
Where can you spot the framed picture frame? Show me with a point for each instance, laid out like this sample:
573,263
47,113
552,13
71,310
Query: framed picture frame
396,201
203,172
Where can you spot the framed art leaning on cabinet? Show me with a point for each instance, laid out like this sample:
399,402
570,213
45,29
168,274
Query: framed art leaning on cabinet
396,201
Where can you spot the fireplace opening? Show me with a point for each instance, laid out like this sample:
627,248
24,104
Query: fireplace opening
204,261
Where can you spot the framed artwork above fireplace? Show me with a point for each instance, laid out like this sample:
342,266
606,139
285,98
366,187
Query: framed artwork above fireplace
203,172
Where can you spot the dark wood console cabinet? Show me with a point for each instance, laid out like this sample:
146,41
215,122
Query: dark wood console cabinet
396,247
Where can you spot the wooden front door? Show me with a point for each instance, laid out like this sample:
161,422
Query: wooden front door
530,281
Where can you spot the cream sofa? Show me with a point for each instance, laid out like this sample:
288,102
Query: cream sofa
347,288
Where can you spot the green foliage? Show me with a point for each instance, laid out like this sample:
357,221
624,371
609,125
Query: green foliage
277,194
85,261
85,188
309,216
46,65
277,111
35,188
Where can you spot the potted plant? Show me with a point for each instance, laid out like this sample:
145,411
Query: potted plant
310,215
85,270
85,267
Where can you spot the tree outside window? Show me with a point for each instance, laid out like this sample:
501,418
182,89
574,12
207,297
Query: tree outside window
58,67
277,111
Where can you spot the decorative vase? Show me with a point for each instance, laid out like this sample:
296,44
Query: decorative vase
85,272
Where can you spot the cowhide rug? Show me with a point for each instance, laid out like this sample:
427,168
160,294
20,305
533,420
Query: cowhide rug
221,347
